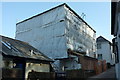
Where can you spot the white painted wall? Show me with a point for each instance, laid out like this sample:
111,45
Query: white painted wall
36,67
106,52
70,64
46,33
79,36
55,31
51,36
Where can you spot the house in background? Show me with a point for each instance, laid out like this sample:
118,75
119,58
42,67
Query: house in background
104,50
64,30
18,58
115,31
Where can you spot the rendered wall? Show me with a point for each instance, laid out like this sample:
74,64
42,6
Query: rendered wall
69,64
105,51
36,68
55,31
46,33
79,36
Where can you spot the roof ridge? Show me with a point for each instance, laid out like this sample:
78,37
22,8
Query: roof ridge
40,13
55,8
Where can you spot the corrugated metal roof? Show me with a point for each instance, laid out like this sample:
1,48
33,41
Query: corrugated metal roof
19,48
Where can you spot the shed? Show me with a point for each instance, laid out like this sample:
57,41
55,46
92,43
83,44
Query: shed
20,55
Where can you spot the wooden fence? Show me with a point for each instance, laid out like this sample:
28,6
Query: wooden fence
12,73
41,76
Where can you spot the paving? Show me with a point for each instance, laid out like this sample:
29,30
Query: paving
107,75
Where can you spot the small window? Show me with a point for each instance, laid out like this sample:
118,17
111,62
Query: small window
98,46
94,55
99,56
8,45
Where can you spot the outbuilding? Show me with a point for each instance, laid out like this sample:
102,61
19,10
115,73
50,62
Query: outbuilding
19,58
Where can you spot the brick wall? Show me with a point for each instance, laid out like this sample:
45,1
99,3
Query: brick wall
91,64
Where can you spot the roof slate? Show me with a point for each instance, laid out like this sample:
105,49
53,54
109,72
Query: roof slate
13,47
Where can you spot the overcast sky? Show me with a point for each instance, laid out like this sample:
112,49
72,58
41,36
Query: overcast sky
98,15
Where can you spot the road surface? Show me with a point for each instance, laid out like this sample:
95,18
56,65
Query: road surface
107,75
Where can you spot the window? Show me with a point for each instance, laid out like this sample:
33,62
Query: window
99,56
94,55
8,45
98,46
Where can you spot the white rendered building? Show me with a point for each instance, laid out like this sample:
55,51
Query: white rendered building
104,50
55,31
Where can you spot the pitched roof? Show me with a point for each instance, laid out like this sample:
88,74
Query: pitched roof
102,39
64,4
13,47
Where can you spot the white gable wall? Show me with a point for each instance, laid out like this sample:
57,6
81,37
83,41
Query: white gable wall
45,32
55,31
79,36
36,67
106,52
69,64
